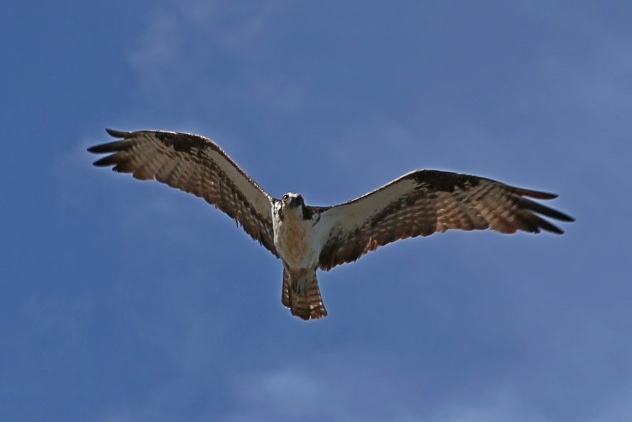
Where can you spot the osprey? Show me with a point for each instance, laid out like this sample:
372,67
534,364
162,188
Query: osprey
308,238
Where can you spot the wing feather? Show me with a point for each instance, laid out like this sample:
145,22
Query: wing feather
423,202
196,165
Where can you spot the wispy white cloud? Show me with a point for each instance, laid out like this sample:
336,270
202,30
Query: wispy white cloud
157,52
202,53
499,405
319,388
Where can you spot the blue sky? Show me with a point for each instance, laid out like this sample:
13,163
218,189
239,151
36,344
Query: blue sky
129,301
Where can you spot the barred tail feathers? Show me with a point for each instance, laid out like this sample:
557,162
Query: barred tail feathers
302,295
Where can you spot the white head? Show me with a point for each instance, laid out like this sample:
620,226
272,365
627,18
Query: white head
293,201
293,205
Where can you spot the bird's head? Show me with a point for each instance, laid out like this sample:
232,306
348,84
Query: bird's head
292,200
293,205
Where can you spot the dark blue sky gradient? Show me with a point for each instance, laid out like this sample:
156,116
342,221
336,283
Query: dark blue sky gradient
129,301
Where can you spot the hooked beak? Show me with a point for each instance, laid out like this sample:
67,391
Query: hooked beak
294,202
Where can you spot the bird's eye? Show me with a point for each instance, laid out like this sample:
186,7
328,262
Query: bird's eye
285,198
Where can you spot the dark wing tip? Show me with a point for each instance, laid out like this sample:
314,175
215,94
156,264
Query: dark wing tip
105,148
110,146
564,217
554,229
535,194
544,210
94,149
105,161
117,133
546,226
536,208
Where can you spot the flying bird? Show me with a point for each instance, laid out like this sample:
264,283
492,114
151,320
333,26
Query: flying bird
307,238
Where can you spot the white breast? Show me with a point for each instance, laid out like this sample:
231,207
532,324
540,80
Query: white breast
298,241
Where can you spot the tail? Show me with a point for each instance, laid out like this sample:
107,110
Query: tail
302,295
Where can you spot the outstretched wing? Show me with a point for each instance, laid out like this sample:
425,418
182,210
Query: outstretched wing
193,164
426,201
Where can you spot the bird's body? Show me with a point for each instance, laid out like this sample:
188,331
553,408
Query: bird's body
308,238
298,236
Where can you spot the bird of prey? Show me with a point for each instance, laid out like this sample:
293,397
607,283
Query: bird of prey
307,238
